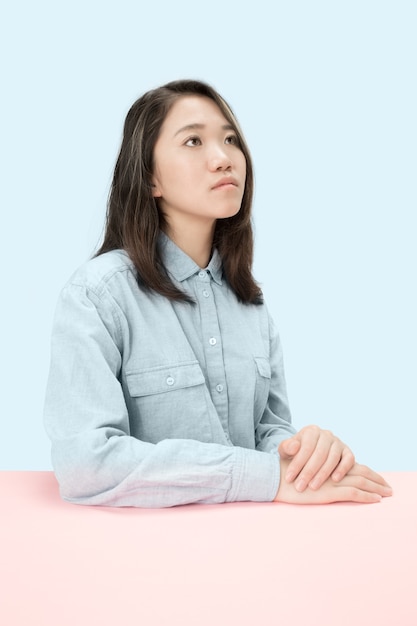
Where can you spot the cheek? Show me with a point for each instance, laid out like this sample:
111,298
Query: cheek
174,173
165,177
243,164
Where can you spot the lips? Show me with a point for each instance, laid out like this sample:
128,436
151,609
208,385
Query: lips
227,180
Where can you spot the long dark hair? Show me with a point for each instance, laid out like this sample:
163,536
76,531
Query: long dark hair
133,220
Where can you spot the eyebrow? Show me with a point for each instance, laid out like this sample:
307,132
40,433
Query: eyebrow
200,126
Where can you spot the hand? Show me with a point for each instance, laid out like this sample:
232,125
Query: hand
317,454
360,484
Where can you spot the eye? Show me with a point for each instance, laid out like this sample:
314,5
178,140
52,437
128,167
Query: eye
232,140
193,141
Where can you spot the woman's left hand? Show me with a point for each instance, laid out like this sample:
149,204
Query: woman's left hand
316,454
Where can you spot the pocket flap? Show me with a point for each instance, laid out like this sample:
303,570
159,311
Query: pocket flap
264,367
164,379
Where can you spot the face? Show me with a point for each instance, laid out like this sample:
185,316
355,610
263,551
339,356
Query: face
199,169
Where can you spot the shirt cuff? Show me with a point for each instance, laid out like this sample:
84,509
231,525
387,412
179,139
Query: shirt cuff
255,476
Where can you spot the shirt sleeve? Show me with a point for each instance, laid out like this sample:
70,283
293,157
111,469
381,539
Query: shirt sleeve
275,424
96,460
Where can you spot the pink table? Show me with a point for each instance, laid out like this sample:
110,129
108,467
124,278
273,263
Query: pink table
206,565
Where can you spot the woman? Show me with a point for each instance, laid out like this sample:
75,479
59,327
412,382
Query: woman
166,384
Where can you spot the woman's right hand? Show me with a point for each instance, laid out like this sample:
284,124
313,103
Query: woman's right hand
361,484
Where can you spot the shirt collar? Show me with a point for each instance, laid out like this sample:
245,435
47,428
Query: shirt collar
181,266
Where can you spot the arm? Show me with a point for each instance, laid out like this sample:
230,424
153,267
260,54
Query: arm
275,425
96,461
313,454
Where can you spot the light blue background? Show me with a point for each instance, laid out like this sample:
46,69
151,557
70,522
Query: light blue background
326,95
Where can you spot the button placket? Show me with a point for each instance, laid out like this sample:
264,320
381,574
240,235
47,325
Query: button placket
205,294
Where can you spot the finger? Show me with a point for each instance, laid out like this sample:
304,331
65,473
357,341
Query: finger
346,463
310,459
308,440
332,461
289,447
363,483
353,494
355,489
363,470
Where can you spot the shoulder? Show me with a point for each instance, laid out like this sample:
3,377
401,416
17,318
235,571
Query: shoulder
99,273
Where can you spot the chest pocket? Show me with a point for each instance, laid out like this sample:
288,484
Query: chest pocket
164,379
168,402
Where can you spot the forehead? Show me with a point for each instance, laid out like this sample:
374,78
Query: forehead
193,109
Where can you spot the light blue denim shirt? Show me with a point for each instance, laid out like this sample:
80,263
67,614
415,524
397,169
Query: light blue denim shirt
154,403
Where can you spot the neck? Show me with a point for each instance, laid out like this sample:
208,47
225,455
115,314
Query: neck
194,238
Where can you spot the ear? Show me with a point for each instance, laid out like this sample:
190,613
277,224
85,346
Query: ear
156,192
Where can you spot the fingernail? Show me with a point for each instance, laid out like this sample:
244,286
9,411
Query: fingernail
314,484
301,485
289,476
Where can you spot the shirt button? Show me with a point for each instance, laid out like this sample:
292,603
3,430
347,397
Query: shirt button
205,293
212,341
219,388
170,381
202,274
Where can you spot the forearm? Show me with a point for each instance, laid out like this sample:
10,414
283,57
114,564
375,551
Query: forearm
123,471
274,425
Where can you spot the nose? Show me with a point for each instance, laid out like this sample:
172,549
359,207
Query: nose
219,159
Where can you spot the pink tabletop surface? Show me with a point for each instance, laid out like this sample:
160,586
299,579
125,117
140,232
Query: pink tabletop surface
241,563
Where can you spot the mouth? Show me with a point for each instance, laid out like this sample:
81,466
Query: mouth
226,183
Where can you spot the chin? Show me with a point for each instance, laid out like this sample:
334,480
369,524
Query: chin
228,212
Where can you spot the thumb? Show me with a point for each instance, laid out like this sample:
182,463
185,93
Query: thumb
288,448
